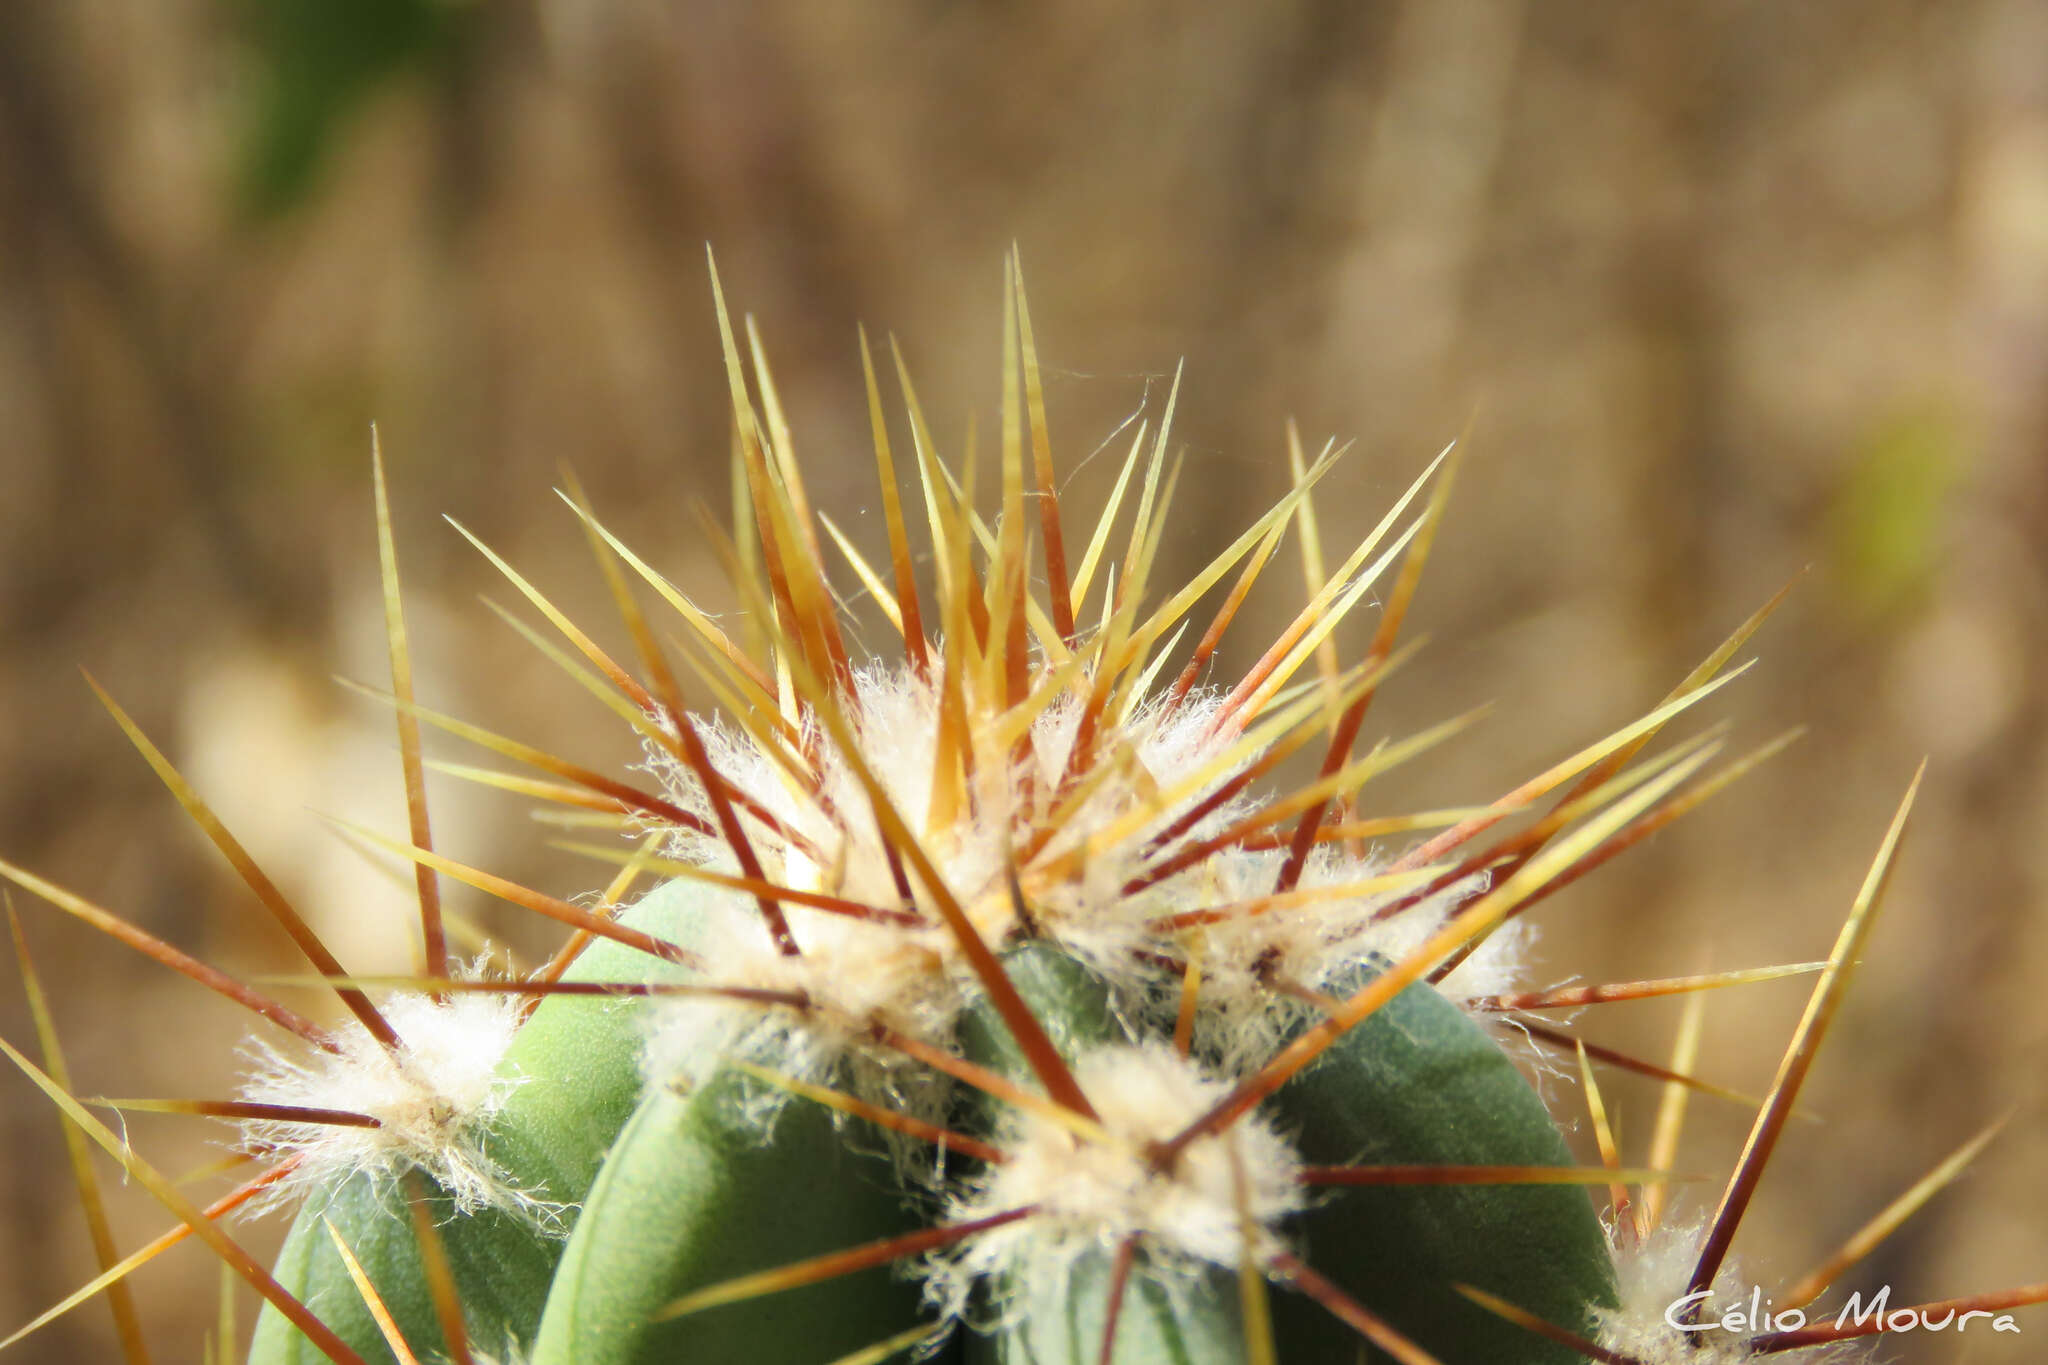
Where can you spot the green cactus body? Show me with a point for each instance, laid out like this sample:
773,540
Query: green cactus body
1419,1082
699,1190
577,1058
501,1267
1062,1323
1163,1317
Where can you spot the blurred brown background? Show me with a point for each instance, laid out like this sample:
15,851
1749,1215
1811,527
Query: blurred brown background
1731,290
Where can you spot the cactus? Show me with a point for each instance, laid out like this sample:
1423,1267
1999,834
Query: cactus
991,1001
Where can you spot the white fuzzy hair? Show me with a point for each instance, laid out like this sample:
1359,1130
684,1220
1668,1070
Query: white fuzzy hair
1092,1191
433,1097
1654,1274
1149,765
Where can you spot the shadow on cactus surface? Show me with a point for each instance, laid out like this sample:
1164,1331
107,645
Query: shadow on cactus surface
999,998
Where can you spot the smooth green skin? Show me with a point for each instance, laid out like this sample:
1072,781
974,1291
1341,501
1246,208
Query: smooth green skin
580,1058
501,1268
1420,1081
1417,1082
1062,1323
694,1194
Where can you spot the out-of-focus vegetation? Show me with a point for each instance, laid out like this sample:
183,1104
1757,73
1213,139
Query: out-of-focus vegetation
1727,290
315,65
1892,512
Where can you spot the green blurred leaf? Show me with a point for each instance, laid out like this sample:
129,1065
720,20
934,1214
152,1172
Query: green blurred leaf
318,62
1889,515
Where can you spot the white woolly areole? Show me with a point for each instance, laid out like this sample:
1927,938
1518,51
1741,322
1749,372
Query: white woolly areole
834,844
1655,1274
433,1099
1093,847
1093,1191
